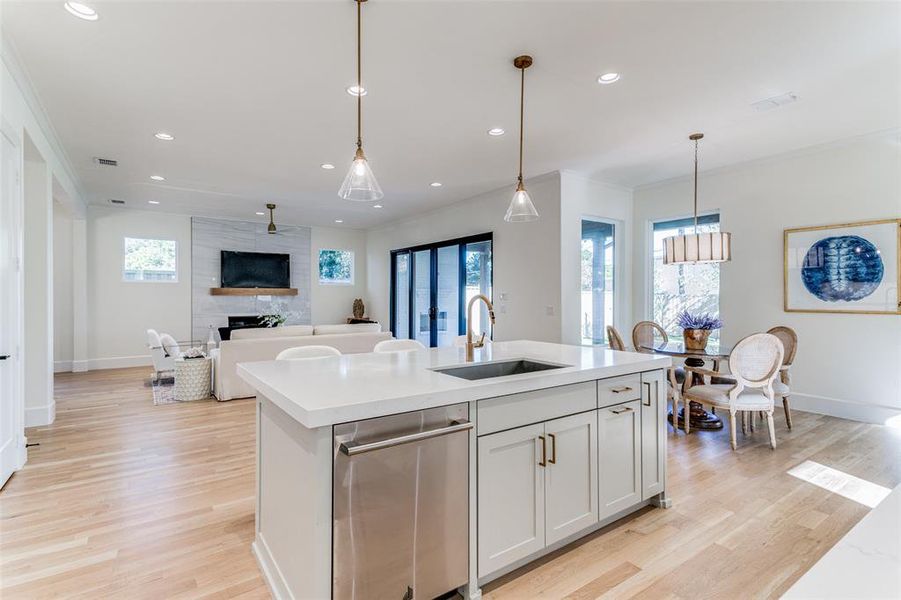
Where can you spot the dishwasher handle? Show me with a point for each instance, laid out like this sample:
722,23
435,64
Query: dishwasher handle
352,448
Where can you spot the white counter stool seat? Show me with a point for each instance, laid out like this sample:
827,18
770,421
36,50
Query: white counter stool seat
301,352
398,346
755,363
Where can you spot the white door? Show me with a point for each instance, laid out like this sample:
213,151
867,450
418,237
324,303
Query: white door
511,496
653,433
571,480
619,457
12,432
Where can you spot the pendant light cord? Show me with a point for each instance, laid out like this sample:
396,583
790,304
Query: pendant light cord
359,74
522,105
696,186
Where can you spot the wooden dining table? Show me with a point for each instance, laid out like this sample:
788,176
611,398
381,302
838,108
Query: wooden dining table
716,353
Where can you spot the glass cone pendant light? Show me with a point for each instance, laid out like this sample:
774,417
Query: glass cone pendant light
521,208
713,247
360,184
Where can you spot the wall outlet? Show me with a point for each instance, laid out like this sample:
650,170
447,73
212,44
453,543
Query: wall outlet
549,310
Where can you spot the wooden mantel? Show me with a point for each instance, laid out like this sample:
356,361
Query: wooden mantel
223,291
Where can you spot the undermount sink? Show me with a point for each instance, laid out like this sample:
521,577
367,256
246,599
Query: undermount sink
497,369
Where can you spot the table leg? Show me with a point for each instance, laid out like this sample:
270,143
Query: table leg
700,418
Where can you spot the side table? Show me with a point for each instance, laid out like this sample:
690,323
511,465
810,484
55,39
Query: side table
192,379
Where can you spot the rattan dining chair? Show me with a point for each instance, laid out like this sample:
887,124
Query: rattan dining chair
644,335
782,386
755,363
614,339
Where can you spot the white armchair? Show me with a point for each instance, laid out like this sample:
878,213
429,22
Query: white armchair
163,350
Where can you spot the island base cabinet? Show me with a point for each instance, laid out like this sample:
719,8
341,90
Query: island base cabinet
619,457
511,496
571,476
653,433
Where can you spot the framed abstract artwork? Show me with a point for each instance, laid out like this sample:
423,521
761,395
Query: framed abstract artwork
848,268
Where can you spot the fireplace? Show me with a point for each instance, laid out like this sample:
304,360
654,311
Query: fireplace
239,322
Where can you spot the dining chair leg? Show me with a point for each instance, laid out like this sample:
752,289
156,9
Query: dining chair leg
686,414
751,420
744,423
732,430
788,412
772,429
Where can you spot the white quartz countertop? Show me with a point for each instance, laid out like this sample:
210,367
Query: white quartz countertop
324,391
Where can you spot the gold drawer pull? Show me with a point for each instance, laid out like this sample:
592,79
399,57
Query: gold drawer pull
618,390
619,411
543,461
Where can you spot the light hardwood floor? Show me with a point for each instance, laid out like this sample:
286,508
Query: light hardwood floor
124,499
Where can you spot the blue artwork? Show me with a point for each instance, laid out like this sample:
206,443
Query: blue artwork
844,268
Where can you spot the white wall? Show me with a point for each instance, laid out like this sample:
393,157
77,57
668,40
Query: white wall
334,303
120,312
847,365
63,326
580,198
526,256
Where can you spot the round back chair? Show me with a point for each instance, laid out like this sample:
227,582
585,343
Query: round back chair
301,352
614,339
755,361
398,346
789,340
644,334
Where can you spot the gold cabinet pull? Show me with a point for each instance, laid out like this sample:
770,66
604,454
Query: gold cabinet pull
619,411
553,459
543,461
648,403
619,390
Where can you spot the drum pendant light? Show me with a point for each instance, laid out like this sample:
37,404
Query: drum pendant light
688,248
360,184
521,208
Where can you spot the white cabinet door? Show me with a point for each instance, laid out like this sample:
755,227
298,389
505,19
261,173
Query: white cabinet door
653,433
619,457
571,480
511,496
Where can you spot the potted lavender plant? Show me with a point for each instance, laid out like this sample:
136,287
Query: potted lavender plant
696,328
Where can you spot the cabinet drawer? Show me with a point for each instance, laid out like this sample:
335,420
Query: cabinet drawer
515,410
617,390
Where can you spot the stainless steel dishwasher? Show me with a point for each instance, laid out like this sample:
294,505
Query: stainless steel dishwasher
401,505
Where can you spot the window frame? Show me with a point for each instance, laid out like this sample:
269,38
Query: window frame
618,265
125,239
353,267
649,263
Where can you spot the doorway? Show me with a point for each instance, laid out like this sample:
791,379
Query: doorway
432,284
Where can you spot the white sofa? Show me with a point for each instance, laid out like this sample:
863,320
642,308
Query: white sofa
249,345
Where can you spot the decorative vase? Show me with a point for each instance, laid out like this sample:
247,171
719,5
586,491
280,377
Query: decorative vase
695,339
359,310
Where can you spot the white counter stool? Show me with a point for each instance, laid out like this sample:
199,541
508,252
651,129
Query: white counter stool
398,346
301,352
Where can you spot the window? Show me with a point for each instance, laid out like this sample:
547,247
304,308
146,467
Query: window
336,267
150,260
691,287
432,284
597,280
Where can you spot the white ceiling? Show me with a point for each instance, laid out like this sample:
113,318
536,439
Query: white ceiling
254,93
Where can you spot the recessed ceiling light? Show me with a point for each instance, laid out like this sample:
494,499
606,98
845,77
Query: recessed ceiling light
377,206
260,213
82,11
158,178
153,202
166,137
435,184
496,131
339,220
356,90
327,166
608,78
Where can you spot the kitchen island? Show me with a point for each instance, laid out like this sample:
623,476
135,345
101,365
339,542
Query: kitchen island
410,474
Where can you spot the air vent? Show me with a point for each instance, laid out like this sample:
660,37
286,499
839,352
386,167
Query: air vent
117,202
774,102
106,162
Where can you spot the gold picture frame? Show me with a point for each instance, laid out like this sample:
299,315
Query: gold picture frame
792,257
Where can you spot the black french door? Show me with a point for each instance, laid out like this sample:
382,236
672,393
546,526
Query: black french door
431,284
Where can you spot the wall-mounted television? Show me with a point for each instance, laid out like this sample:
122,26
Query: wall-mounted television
255,270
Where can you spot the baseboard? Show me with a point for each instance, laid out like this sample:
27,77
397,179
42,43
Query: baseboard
40,415
271,574
62,366
118,362
79,366
844,409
